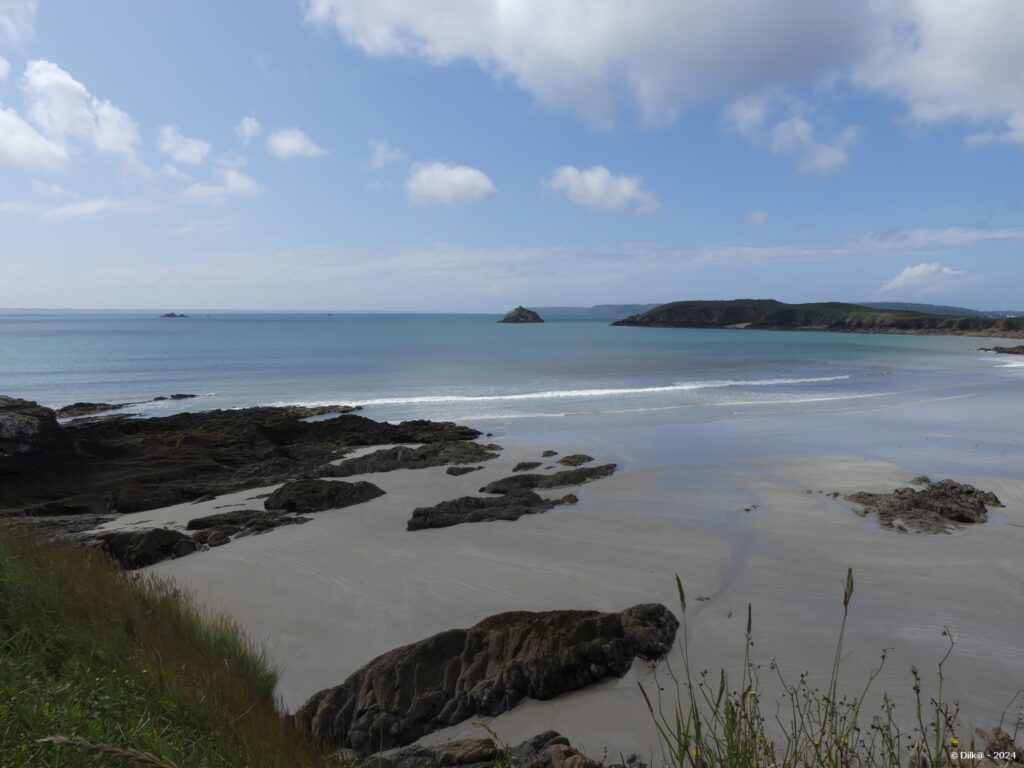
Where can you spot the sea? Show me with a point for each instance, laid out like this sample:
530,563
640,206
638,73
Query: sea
466,367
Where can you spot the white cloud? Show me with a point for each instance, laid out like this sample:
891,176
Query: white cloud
756,216
5,68
16,21
94,206
597,187
951,59
578,54
439,182
21,144
180,148
796,137
291,142
63,109
383,153
231,182
45,189
248,128
172,171
925,277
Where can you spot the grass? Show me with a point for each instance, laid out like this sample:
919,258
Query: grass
709,723
99,667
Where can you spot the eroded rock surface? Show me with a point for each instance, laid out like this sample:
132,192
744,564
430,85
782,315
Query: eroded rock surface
575,460
137,549
476,509
481,671
219,528
318,495
545,750
403,457
563,479
940,507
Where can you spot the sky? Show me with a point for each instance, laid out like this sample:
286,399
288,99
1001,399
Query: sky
472,155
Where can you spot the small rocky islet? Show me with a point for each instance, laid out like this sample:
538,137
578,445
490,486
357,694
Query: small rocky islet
522,315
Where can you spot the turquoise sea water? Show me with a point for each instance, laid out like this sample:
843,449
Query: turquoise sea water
464,366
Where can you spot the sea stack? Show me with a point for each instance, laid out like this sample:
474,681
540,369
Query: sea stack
522,315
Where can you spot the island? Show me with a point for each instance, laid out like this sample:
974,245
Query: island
768,314
522,315
172,314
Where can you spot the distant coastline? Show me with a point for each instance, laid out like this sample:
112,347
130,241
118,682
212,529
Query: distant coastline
771,315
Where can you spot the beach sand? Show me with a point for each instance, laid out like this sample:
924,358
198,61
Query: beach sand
328,596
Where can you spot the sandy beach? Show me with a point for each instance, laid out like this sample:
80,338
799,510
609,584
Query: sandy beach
328,596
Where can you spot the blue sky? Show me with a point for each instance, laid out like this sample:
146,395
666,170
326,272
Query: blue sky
470,155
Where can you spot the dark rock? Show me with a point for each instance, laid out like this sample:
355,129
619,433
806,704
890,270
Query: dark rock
457,471
921,480
172,314
563,479
217,529
549,454
318,495
482,671
88,409
476,509
137,464
938,508
27,430
402,457
546,750
524,466
575,460
137,549
522,315
1018,350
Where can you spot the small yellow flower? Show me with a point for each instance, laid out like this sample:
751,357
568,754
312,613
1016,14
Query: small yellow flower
954,742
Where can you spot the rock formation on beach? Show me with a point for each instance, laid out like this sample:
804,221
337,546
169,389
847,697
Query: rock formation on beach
317,495
403,457
137,549
826,316
563,479
217,529
522,315
486,670
476,509
545,750
575,460
940,507
1018,350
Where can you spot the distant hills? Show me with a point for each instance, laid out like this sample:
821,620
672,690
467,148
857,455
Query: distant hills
597,312
939,309
828,316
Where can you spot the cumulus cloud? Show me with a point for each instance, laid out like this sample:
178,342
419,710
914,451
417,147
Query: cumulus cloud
597,187
578,54
17,18
248,128
439,182
796,137
230,182
291,142
64,110
5,68
756,216
180,148
383,152
921,278
21,144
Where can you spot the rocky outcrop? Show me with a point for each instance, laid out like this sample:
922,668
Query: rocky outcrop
459,471
76,410
403,457
124,464
219,528
525,466
545,750
137,549
476,509
1018,350
26,431
482,671
575,460
940,507
564,479
522,315
318,495
172,314
549,454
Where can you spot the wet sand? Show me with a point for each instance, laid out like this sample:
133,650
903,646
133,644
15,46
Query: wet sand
329,595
